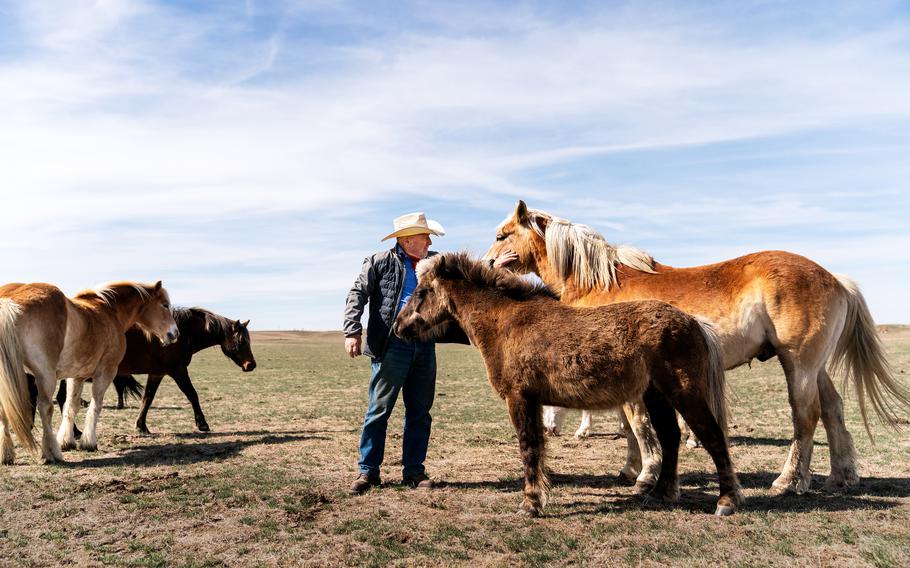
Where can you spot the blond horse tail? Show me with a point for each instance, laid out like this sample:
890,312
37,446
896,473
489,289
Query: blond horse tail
14,397
717,380
860,355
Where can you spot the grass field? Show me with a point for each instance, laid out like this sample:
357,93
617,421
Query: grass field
268,486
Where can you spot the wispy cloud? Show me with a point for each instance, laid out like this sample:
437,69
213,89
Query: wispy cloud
253,153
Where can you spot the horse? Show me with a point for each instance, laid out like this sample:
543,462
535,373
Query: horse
199,329
765,304
57,337
538,350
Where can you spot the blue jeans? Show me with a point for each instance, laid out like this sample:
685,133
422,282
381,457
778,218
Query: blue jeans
411,368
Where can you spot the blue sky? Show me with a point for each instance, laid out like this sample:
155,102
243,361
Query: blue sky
250,154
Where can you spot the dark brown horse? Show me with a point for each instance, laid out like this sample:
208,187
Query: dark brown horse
199,329
539,351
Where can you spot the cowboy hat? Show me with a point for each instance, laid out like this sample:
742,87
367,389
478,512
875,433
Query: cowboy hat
415,224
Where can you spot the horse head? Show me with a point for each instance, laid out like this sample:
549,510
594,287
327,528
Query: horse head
236,345
428,313
155,316
522,232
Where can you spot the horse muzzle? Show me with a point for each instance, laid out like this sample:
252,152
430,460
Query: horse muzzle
248,366
170,337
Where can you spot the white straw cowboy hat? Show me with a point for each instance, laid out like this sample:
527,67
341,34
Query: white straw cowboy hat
415,224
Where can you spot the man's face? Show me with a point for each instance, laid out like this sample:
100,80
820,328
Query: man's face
416,245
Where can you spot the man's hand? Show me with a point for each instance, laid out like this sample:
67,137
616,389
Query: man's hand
352,345
505,258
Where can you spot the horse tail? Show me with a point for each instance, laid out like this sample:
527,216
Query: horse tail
14,394
129,385
717,381
860,355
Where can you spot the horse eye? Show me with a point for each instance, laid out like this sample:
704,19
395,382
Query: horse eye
501,237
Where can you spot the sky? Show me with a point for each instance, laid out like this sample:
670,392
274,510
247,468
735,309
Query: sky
251,154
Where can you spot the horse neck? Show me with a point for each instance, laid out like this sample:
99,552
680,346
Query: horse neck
199,338
569,292
478,318
125,310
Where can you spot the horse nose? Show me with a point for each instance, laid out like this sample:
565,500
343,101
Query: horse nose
248,366
172,336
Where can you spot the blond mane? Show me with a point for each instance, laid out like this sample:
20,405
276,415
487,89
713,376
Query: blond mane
108,292
579,250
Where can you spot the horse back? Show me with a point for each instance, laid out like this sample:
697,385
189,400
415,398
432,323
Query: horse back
756,302
42,321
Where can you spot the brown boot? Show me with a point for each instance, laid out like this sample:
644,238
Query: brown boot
363,482
421,481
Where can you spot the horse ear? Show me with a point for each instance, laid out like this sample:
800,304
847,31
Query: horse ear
158,286
245,323
521,212
236,325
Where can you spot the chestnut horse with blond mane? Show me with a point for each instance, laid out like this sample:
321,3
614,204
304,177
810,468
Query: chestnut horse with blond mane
55,337
762,304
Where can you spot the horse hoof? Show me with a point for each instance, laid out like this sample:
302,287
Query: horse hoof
66,446
551,431
531,512
143,431
203,427
625,480
643,487
724,511
88,448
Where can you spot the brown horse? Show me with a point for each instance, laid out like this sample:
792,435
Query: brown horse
762,304
56,337
540,351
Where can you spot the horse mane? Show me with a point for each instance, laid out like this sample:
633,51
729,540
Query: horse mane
109,292
214,323
460,266
579,250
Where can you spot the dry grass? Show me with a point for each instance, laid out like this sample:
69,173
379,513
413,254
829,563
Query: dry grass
268,485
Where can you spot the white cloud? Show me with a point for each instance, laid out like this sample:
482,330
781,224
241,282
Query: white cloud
129,113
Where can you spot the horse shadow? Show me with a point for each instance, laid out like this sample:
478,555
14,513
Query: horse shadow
698,494
150,455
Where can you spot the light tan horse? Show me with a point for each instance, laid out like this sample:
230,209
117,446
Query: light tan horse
762,304
54,338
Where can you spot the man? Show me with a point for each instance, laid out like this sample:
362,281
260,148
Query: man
387,281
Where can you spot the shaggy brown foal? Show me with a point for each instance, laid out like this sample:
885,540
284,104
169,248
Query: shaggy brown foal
539,351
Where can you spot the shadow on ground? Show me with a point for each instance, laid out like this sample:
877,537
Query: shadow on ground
186,453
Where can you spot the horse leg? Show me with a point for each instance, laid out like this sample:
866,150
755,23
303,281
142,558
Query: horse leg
121,404
45,381
647,442
664,419
7,453
585,427
802,387
554,417
691,402
182,378
526,416
100,382
840,442
66,434
148,395
632,467
687,436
